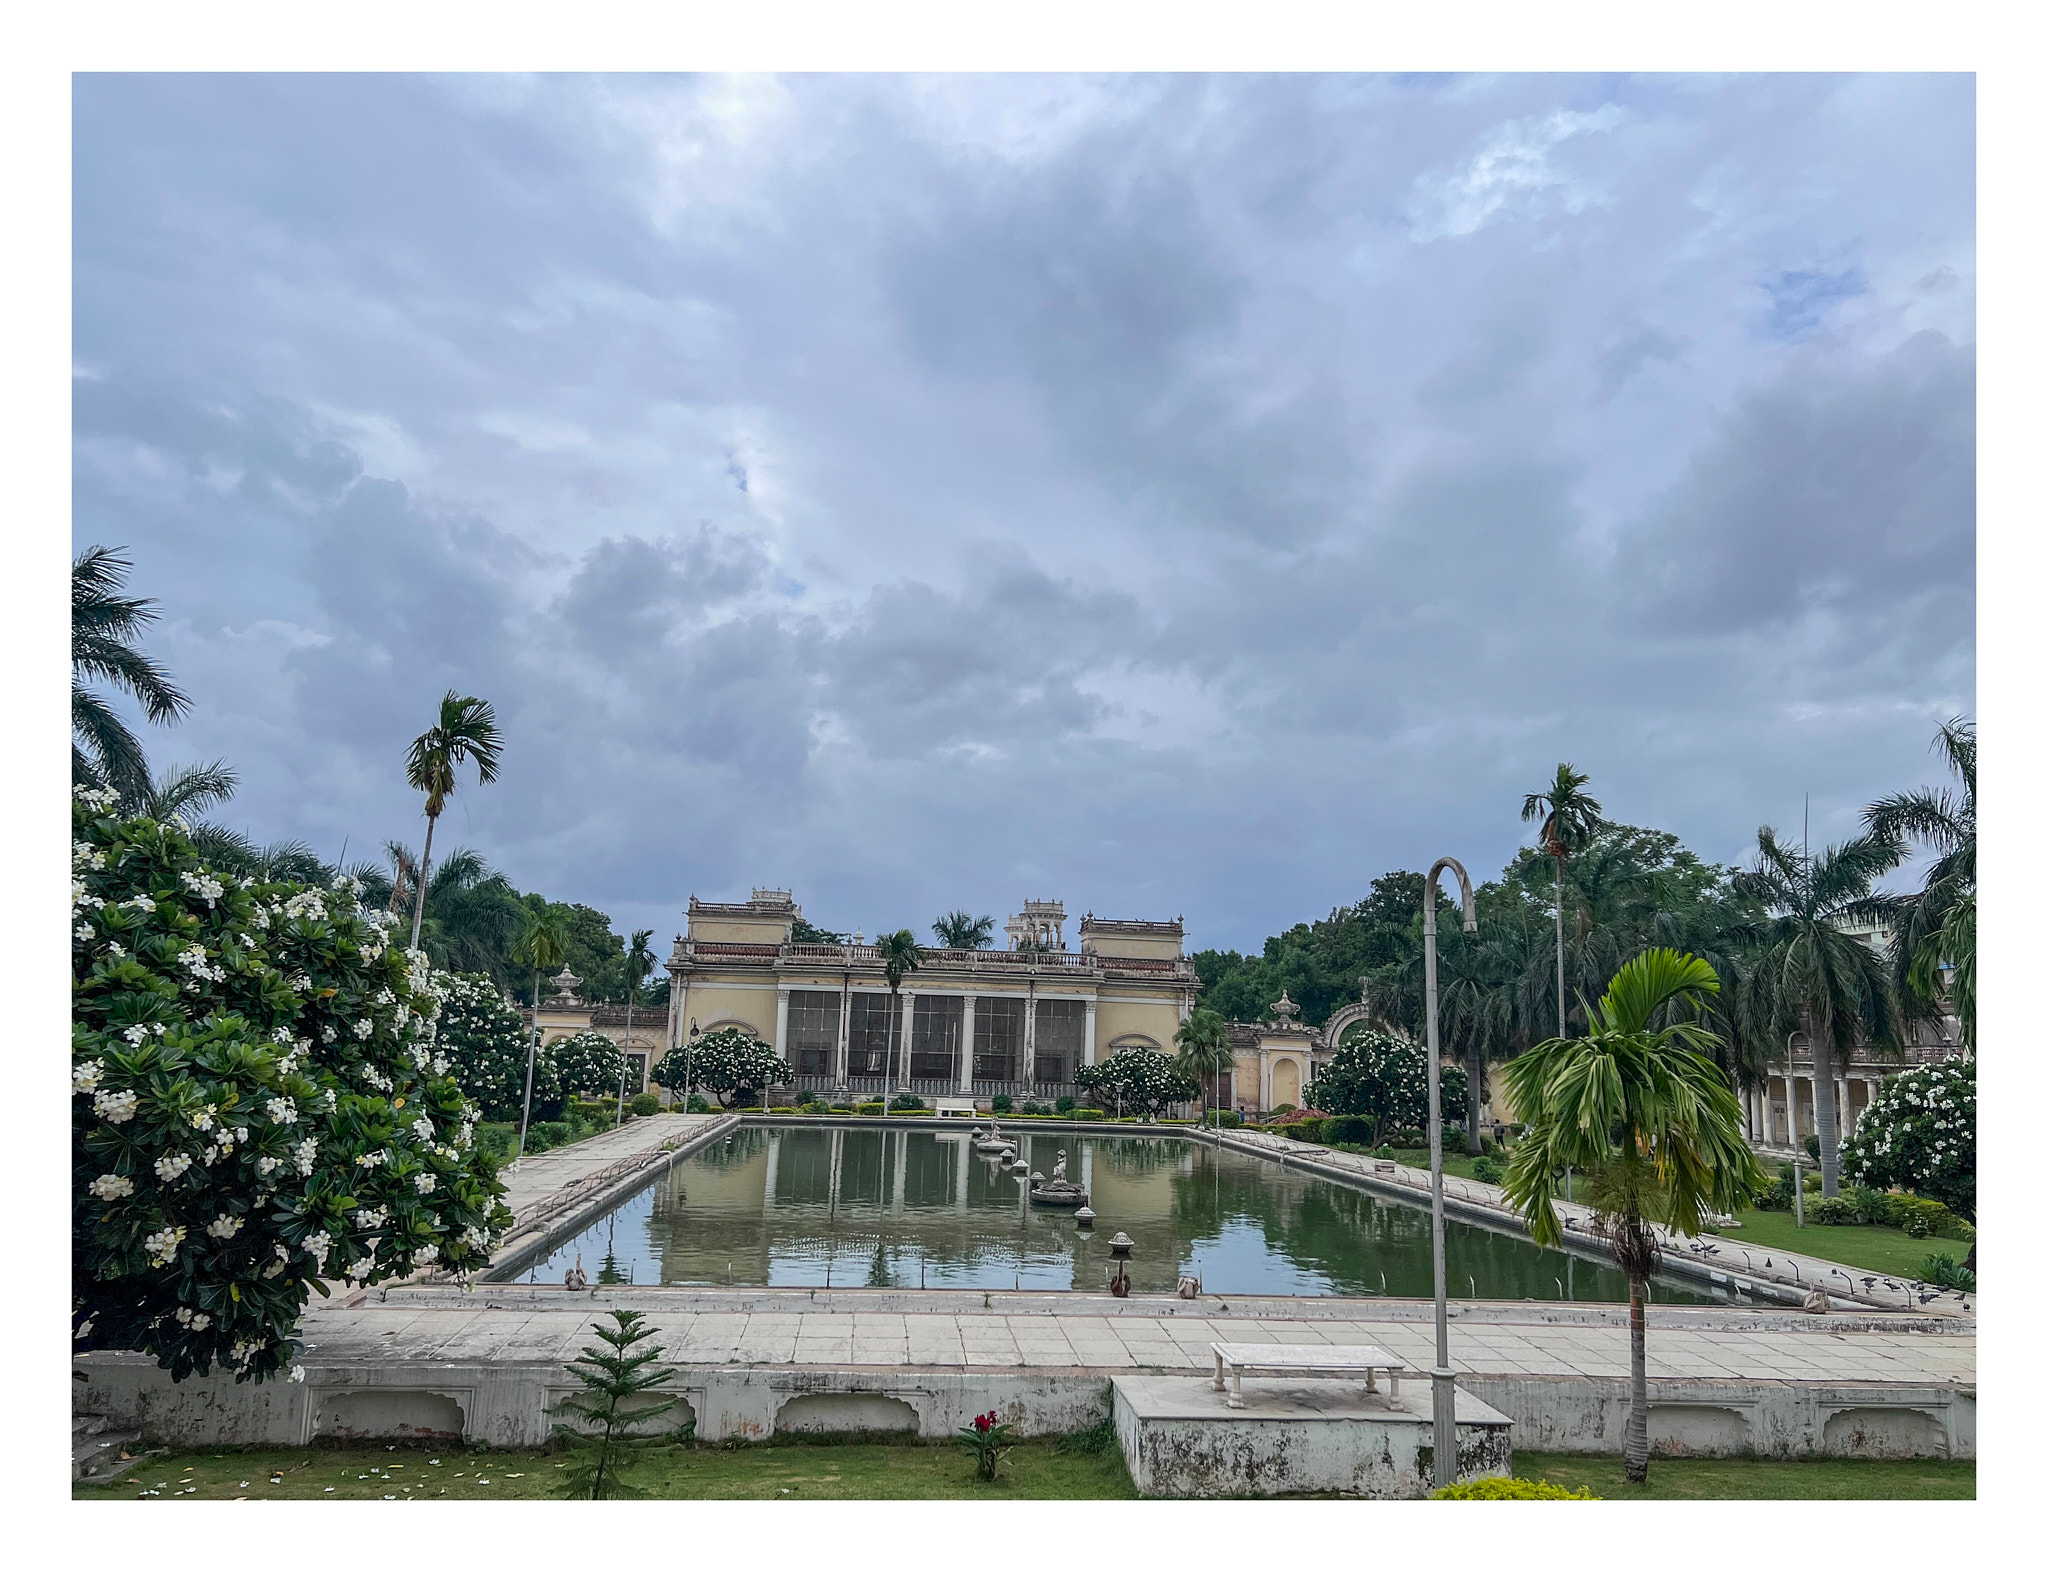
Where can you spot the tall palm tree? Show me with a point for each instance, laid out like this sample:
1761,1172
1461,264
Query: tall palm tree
1205,1051
1808,974
104,626
1941,923
466,732
900,956
1488,1004
959,930
1570,819
639,959
542,945
1649,1118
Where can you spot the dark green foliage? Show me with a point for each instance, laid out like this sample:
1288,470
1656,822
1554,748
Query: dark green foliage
588,1064
1000,1103
959,930
1098,1438
1942,1272
904,1102
104,626
697,1104
1832,1210
606,1415
735,1065
487,1044
644,1104
1920,1134
1064,1105
990,1440
1487,1171
801,932
1385,1080
1350,1129
1137,1081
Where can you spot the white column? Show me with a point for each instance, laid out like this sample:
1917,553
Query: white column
782,1025
1088,1035
967,1046
845,1024
1028,1071
904,1029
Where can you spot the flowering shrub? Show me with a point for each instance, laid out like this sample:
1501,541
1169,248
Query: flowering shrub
588,1064
990,1440
1920,1133
259,1102
486,1041
1377,1076
1510,1490
1141,1081
735,1063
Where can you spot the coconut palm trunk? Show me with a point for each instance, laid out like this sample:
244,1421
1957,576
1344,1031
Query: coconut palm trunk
1826,1123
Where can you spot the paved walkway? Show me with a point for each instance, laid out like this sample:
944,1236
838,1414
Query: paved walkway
1510,1339
1724,1252
542,1175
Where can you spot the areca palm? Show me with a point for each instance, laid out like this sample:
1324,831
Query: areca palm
1570,819
1205,1051
1644,1112
639,958
959,930
900,956
104,627
467,732
542,944
1941,924
1808,974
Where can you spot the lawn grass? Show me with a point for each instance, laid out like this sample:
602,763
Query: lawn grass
1035,1471
1872,1247
1756,1479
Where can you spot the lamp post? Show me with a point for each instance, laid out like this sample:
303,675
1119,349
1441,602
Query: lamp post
1443,1385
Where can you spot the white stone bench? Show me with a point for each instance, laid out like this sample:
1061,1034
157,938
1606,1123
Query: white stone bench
1302,1359
954,1107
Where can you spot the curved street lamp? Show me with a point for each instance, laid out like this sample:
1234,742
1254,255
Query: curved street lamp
1443,1385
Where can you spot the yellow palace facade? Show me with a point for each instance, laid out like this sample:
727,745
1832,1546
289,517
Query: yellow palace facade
967,1023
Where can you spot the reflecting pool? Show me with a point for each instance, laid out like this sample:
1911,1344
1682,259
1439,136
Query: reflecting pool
891,1208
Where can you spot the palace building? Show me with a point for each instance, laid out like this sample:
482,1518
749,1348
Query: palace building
1019,1021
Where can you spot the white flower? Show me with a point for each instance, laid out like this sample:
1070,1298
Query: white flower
114,1107
201,1322
136,1033
303,1153
370,1160
203,1120
327,1034
163,1245
266,1166
116,951
224,1226
141,903
208,888
364,1027
423,1127
111,1187
424,1183
171,1165
86,1077
427,1253
82,933
372,1218
385,996
298,1373
282,1110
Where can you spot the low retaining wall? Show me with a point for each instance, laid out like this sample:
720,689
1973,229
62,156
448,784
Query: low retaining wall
505,1403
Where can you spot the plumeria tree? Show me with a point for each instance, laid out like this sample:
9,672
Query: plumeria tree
589,1064
485,1040
260,1103
1138,1081
736,1064
1920,1134
1378,1076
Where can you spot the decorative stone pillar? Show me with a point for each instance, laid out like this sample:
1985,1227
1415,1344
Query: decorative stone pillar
845,1026
1028,1071
905,1026
966,1077
1088,1034
782,1024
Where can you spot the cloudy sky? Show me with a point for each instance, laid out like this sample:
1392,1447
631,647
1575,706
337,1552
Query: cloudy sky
1173,495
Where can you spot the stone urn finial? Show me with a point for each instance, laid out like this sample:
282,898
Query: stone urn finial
1285,1010
565,982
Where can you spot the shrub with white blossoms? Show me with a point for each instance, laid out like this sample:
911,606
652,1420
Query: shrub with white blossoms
588,1063
223,1095
485,1041
1137,1081
1378,1076
1920,1134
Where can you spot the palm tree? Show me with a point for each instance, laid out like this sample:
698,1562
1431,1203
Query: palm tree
1650,1119
1570,819
104,625
1941,923
639,958
1205,1051
899,955
466,732
957,930
542,945
1491,992
1808,974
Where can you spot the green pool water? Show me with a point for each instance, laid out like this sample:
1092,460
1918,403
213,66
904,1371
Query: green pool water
849,1208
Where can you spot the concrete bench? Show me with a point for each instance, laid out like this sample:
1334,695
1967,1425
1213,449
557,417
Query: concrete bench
1302,1359
954,1107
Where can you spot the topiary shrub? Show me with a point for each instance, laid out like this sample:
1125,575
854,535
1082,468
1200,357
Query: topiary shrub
588,1064
1226,1118
1086,1113
1920,1134
905,1102
1385,1078
1137,1081
644,1104
735,1065
1347,1129
1487,1171
1832,1210
868,1108
1000,1103
260,1103
487,1043
1510,1490
1064,1105
697,1104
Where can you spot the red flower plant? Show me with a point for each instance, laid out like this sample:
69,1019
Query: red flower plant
989,1440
